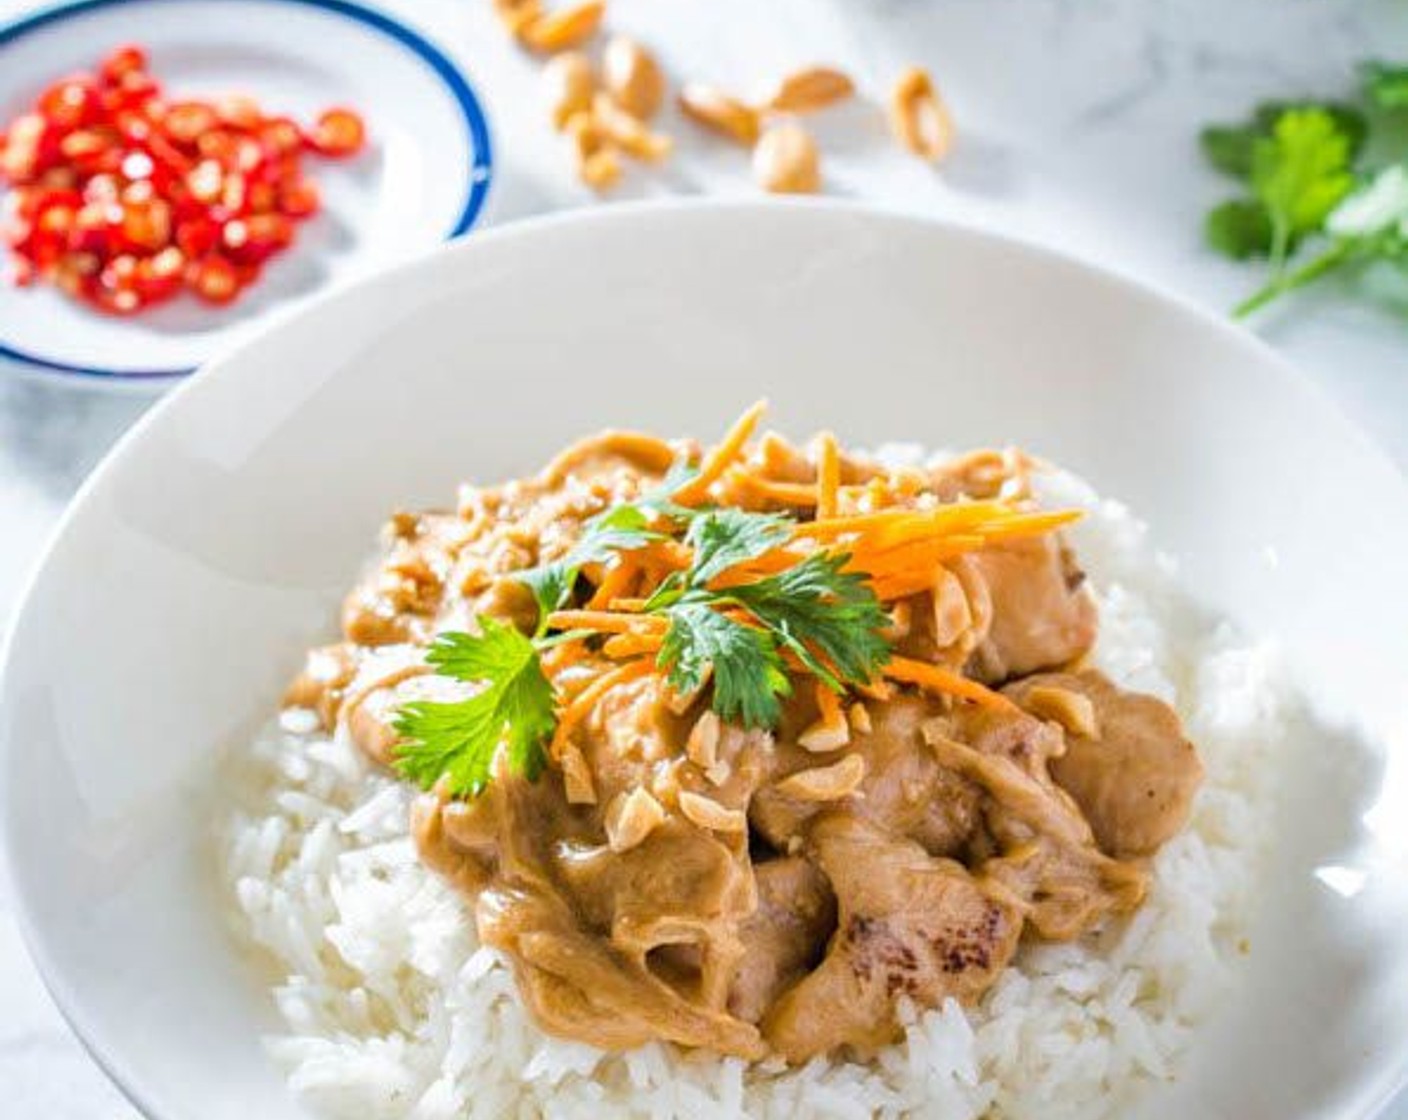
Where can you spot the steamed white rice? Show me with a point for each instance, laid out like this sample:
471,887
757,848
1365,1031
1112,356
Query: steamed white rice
392,1009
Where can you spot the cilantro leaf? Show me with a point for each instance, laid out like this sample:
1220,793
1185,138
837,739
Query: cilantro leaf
1230,148
622,528
1240,228
1385,84
748,673
1300,173
817,606
458,740
726,537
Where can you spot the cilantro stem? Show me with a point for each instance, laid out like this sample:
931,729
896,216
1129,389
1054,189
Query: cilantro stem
1325,263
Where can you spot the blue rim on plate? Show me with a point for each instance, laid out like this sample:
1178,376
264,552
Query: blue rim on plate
475,124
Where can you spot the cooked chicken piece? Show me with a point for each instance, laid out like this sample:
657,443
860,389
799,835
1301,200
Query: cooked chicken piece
1136,776
1042,615
784,937
905,789
1048,856
909,925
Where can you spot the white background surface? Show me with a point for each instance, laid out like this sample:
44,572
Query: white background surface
1077,121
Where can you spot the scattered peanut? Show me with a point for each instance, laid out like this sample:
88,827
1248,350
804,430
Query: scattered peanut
702,746
807,90
597,165
577,777
630,818
627,132
632,77
859,715
708,813
515,15
570,84
826,734
919,118
716,110
952,617
786,161
563,29
825,783
1072,710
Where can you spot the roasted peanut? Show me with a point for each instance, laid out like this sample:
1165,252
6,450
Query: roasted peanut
786,161
1072,710
597,165
630,818
918,116
716,110
563,29
632,77
570,85
825,783
708,813
627,132
812,88
515,15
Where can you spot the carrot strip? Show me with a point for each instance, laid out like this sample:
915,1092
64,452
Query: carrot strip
615,583
590,696
828,475
952,516
563,656
765,489
632,645
828,704
721,457
944,681
607,621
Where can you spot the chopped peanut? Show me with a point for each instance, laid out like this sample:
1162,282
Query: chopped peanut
1072,710
577,778
919,118
630,818
702,746
564,29
812,88
786,161
707,813
716,110
825,783
627,132
632,77
570,83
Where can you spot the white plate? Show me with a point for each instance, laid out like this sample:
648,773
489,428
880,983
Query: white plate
423,177
214,544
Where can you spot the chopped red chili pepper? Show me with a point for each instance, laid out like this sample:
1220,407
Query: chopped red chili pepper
123,199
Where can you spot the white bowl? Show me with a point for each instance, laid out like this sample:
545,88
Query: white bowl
213,545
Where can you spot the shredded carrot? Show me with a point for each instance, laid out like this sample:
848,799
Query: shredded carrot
632,645
759,489
667,554
590,696
615,583
828,475
945,682
828,704
607,621
563,656
721,457
628,605
953,516
1029,524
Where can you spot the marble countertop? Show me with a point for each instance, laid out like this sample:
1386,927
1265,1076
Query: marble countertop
1077,122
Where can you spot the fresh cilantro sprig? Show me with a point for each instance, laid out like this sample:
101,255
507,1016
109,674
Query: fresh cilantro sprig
1312,171
622,528
736,636
458,740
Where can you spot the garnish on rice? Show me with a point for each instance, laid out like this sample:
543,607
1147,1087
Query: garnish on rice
746,602
742,747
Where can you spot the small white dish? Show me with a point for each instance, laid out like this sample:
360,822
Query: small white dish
423,177
213,546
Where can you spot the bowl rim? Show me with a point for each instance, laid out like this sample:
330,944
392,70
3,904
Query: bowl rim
1196,315
479,173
